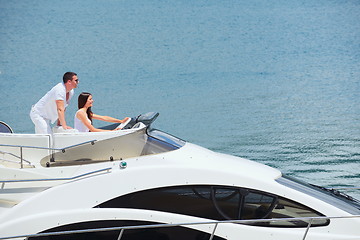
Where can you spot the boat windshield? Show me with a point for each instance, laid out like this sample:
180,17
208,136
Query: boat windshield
159,142
166,138
331,196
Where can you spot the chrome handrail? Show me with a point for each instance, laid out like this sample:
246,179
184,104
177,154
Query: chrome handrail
216,223
15,156
48,148
56,179
43,148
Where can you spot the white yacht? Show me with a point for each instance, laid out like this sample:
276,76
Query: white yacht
92,185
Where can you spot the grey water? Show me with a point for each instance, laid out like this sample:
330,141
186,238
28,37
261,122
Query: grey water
277,82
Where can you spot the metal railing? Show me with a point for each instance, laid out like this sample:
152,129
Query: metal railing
92,142
121,230
345,188
15,156
56,179
2,182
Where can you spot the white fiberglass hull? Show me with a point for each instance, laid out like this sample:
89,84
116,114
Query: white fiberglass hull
98,193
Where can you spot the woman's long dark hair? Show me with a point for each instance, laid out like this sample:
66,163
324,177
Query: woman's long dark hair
83,97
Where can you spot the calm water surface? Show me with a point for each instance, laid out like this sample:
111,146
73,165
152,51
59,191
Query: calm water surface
277,82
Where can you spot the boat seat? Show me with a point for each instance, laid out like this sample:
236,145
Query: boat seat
5,128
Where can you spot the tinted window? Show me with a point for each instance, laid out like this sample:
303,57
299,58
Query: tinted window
218,203
193,201
331,196
158,142
165,137
166,233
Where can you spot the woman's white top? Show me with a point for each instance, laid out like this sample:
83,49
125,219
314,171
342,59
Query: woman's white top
79,125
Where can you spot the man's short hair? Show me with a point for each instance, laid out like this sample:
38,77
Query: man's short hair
68,76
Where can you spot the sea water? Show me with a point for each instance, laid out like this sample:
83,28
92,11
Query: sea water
277,82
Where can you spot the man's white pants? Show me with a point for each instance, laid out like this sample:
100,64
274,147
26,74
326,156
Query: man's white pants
42,125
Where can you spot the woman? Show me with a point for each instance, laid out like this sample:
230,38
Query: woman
84,116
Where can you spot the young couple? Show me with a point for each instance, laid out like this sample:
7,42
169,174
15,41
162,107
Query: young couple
51,107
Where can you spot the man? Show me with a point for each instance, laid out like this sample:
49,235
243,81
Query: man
51,107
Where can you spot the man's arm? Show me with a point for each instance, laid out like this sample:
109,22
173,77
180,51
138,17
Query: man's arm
61,114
